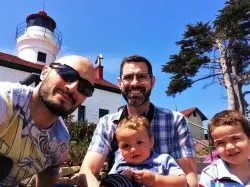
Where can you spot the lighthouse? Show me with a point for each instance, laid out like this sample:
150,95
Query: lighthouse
38,40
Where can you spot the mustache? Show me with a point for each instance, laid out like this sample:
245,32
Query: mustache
70,95
128,89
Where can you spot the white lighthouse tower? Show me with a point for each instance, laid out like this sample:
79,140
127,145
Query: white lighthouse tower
37,39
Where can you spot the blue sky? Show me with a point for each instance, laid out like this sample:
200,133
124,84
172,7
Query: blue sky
118,28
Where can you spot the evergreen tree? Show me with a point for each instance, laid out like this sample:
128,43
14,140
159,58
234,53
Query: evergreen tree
222,47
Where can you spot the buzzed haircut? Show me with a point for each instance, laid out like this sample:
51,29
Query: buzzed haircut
231,118
135,59
135,122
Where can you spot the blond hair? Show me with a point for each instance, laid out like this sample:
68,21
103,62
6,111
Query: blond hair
135,122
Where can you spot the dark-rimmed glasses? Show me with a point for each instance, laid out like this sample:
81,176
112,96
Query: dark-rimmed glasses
140,77
68,74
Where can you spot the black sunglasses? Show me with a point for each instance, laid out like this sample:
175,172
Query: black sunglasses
68,74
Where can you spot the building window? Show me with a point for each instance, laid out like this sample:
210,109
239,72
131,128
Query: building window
81,113
41,57
103,112
194,114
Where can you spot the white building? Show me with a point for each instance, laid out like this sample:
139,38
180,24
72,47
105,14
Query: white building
195,118
38,42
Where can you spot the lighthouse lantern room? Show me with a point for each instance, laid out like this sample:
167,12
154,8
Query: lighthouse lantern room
37,39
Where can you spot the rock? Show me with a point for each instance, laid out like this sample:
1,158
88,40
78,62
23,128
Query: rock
65,171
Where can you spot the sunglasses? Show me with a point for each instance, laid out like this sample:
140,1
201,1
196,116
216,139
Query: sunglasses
68,74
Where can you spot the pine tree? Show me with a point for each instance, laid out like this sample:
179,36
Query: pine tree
222,47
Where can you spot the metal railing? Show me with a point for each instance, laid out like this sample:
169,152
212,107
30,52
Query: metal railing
56,35
209,145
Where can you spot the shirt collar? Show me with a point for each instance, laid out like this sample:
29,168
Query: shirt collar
124,113
225,173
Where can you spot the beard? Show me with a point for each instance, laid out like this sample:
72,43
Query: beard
136,100
55,107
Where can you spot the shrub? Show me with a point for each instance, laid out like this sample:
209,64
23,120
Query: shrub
81,135
200,149
211,157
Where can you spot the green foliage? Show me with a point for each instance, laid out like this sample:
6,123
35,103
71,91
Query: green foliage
81,135
221,47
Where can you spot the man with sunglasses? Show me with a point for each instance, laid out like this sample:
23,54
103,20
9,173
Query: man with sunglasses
169,128
33,136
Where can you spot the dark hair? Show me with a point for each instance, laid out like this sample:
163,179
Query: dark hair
135,122
136,58
231,118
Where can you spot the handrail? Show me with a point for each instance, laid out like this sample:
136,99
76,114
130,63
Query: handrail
202,143
209,139
198,126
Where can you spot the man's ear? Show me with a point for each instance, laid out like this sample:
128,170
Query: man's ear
153,81
44,72
119,82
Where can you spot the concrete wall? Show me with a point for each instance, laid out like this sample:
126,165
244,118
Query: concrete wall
197,132
101,99
12,75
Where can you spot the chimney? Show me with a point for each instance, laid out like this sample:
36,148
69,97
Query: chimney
99,72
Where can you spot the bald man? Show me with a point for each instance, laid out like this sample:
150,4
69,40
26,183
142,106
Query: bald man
33,136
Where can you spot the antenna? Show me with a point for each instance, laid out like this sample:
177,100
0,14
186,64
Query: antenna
98,59
44,5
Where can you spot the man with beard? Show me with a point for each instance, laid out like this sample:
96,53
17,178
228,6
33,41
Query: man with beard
169,128
33,136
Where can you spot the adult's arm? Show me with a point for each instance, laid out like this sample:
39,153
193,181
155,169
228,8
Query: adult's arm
90,167
189,166
42,180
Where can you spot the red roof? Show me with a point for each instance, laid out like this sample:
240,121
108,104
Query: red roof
15,62
106,83
189,111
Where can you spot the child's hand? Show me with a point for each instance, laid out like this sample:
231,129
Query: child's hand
145,177
127,173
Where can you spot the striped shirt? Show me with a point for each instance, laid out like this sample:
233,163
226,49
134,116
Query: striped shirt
218,174
162,164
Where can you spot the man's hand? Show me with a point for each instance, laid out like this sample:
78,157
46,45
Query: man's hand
145,177
91,166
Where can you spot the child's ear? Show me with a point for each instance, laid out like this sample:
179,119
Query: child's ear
152,142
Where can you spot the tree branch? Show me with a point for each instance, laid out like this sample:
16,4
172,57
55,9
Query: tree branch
206,77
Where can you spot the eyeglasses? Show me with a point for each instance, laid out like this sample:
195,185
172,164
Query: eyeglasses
68,74
140,77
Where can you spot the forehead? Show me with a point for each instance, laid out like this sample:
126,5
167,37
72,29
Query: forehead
221,132
134,67
81,65
130,134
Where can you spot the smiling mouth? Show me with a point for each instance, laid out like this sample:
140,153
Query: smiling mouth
135,156
233,154
66,97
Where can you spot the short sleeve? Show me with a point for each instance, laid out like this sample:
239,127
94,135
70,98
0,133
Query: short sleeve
183,141
103,135
172,167
205,180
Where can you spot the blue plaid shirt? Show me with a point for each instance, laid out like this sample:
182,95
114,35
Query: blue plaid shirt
169,128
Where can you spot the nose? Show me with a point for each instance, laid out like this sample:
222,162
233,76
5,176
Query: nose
133,150
230,146
135,80
72,86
